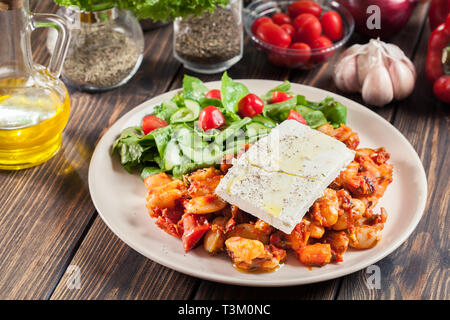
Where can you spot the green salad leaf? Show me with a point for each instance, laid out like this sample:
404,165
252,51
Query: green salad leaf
232,92
182,146
149,9
193,88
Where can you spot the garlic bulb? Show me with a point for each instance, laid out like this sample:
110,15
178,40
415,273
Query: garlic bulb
379,70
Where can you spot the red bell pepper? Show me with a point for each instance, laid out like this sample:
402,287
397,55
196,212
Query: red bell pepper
439,9
195,226
438,61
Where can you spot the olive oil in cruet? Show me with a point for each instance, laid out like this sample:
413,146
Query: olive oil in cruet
34,103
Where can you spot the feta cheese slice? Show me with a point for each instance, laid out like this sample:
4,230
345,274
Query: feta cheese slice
281,175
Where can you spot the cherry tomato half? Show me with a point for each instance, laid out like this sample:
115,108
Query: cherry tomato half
280,96
304,6
289,29
441,88
259,22
308,28
214,94
332,25
150,123
273,34
302,54
210,118
280,18
294,115
322,43
250,105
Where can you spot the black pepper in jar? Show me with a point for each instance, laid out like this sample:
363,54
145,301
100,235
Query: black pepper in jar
213,37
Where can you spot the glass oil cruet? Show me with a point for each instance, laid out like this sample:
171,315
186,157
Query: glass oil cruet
34,103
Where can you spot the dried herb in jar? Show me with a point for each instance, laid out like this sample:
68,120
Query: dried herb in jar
213,37
102,58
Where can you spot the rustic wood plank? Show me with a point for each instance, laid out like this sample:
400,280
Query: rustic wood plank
45,210
109,269
419,269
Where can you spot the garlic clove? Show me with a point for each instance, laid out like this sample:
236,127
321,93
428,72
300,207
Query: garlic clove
393,51
402,78
346,76
377,88
354,49
367,60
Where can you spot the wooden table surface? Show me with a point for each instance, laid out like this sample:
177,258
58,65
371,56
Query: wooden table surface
48,223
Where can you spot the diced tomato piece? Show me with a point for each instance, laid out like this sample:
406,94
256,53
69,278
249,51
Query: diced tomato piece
280,96
171,228
150,123
195,226
294,115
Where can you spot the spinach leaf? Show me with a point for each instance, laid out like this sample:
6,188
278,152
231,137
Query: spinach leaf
179,170
232,92
279,111
193,88
314,118
284,87
335,112
162,137
149,171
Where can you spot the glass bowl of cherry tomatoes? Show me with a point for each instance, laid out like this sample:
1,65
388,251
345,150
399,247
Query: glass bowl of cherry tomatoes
298,34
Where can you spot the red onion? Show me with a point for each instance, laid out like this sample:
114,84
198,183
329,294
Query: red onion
394,14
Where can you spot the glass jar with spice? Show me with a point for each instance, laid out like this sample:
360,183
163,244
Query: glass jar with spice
211,42
106,48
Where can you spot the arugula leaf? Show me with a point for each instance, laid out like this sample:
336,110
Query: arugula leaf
232,92
193,88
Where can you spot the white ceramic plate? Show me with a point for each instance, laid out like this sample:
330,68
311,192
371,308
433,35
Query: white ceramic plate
119,198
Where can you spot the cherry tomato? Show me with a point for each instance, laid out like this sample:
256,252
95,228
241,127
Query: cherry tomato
259,22
304,6
321,43
281,18
210,118
332,25
250,105
301,56
280,96
289,29
150,123
273,34
441,88
214,94
308,28
294,115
